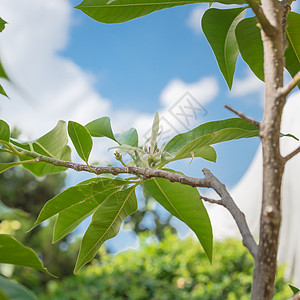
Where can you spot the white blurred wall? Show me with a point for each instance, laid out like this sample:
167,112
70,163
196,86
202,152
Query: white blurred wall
247,194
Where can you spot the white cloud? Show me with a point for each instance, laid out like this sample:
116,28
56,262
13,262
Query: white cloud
248,85
204,90
248,192
194,20
182,107
49,87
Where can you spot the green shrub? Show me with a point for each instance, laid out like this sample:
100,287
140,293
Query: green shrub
169,270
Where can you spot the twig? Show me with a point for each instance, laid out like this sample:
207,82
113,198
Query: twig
291,155
212,200
290,86
209,181
146,173
264,22
242,116
296,297
236,213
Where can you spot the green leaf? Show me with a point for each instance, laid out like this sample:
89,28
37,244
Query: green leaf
3,75
205,152
13,252
292,53
289,135
294,289
11,290
250,45
101,127
2,91
84,191
4,132
77,203
106,223
184,202
2,24
129,137
81,139
117,11
208,134
154,133
219,28
53,144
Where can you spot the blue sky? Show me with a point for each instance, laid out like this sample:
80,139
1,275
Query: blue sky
134,61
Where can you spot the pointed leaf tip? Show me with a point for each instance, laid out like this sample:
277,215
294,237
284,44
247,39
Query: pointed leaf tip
81,139
219,28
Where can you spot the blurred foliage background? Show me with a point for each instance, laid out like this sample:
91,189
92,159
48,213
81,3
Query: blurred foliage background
163,268
170,269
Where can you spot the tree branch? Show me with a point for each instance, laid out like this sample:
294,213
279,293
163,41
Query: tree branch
283,92
237,214
209,181
145,173
296,297
262,19
291,155
242,116
213,201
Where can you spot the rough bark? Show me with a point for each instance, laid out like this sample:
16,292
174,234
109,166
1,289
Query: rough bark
273,163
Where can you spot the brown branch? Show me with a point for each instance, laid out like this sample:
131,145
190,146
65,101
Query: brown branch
296,297
209,181
237,214
213,201
291,155
242,116
262,19
145,173
284,91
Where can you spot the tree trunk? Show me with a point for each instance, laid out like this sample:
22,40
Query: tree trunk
273,163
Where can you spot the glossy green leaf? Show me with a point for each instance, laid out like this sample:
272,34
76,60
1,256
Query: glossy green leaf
13,252
2,91
289,135
90,191
11,290
4,132
154,133
3,75
2,24
294,289
53,144
292,53
106,223
82,201
208,134
129,137
250,45
219,28
205,152
101,127
183,202
81,139
117,11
